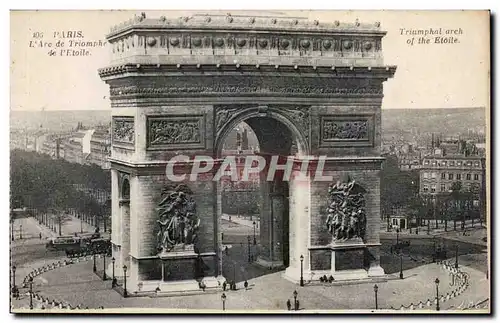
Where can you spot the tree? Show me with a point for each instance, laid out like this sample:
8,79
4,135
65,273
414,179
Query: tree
60,201
442,207
397,187
462,202
49,185
417,208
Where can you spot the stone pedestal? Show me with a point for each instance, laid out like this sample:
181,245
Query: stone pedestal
344,261
348,261
179,264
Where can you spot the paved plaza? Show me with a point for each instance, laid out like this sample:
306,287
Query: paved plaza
77,284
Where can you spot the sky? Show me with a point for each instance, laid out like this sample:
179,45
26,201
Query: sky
427,76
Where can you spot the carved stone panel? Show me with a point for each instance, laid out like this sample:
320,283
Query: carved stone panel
342,130
123,132
299,115
346,211
353,130
177,221
232,86
176,132
223,114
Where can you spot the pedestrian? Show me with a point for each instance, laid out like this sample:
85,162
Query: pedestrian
297,305
40,235
224,286
288,304
246,285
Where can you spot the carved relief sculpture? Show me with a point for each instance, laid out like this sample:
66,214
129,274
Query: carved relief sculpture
345,130
223,115
177,219
174,132
299,116
346,211
123,130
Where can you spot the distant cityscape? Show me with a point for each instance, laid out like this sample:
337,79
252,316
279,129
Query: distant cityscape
85,136
435,143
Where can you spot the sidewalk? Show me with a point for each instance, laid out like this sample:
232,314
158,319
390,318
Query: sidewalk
241,220
474,236
477,291
432,226
266,292
75,225
70,227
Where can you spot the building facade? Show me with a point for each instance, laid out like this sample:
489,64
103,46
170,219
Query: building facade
439,173
100,147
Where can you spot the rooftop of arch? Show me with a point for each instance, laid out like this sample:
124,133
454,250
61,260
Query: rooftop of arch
242,40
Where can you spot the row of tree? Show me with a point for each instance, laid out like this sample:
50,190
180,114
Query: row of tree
49,186
400,190
457,205
241,202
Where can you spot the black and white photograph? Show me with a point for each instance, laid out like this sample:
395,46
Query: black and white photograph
249,161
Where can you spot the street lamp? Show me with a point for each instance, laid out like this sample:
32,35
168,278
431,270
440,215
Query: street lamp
254,239
94,268
375,289
104,266
302,270
401,265
223,297
31,292
20,231
124,281
295,299
437,293
456,256
13,278
234,272
113,282
248,243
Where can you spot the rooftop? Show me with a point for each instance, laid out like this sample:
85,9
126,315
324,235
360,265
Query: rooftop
245,22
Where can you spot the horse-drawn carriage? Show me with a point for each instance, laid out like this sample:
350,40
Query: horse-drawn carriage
78,245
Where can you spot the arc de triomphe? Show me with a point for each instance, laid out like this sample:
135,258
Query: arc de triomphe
306,88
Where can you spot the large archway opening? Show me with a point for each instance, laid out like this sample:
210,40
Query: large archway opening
255,211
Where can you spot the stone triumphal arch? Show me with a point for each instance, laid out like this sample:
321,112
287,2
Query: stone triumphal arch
306,88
